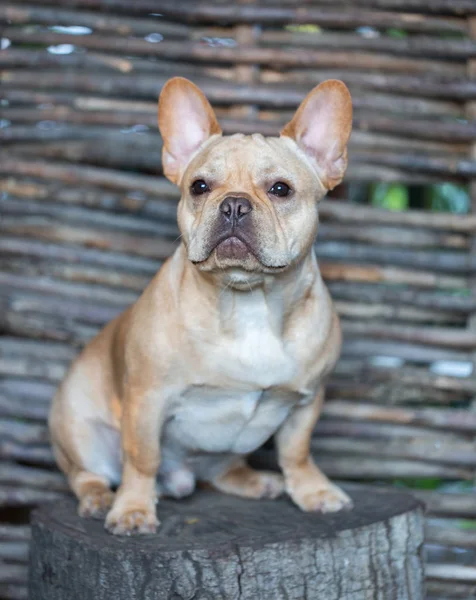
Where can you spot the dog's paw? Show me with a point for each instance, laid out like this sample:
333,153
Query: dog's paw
95,504
248,483
130,522
325,499
312,491
266,484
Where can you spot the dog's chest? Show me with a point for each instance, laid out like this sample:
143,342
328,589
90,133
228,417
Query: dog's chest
244,390
209,419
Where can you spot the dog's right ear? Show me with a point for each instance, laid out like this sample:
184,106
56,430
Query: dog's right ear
321,127
186,121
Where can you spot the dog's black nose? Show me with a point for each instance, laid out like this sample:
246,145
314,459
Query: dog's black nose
235,209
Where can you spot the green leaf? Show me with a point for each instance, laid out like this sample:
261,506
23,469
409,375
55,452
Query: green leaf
391,196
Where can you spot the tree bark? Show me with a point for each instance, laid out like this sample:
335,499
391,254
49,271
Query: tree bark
214,546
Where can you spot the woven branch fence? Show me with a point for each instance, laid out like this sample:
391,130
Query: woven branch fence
87,218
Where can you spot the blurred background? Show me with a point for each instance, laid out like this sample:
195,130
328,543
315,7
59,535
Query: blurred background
87,218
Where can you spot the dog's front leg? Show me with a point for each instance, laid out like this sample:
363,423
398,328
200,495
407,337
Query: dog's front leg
133,510
308,487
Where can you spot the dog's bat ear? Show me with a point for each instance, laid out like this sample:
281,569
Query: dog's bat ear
321,127
186,121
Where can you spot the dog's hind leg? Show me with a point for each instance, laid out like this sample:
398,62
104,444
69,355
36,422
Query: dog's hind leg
241,480
92,490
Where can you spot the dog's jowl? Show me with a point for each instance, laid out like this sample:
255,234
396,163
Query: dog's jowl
231,342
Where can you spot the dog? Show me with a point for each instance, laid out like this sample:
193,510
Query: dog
232,340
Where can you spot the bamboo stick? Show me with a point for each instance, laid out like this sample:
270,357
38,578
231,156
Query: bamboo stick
446,452
359,467
31,477
455,7
18,533
371,293
448,504
458,262
458,420
46,327
366,312
351,213
417,163
335,271
287,57
449,534
73,290
415,45
10,246
442,590
24,306
391,393
76,274
43,212
13,348
441,504
378,430
12,406
432,336
24,367
161,207
449,88
405,376
392,236
13,592
74,174
40,455
16,552
275,94
446,572
142,245
378,141
23,433
30,389
20,14
281,15
11,573
18,58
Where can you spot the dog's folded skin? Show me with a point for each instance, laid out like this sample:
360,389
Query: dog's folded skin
231,341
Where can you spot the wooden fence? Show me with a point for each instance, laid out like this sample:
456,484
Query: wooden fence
87,218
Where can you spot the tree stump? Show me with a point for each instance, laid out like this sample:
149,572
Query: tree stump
213,546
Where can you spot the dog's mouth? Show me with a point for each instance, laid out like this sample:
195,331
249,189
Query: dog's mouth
232,248
235,250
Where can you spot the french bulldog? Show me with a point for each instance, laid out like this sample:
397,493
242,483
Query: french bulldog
232,340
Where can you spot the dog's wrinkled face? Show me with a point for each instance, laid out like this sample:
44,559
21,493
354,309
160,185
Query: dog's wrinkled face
249,203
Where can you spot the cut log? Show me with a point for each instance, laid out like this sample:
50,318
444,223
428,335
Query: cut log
216,546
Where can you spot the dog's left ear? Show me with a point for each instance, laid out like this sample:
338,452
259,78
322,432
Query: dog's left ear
186,121
321,127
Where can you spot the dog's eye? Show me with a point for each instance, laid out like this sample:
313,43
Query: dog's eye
199,187
280,189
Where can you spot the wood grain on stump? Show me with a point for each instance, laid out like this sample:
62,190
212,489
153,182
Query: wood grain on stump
212,546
